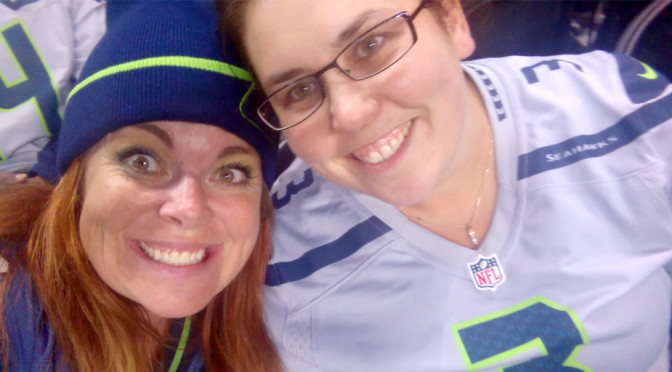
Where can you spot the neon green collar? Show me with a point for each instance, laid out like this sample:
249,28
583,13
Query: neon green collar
181,345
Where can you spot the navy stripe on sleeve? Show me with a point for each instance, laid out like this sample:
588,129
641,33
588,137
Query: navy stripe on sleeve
322,256
582,147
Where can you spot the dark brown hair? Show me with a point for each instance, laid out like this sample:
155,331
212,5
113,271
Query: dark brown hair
233,16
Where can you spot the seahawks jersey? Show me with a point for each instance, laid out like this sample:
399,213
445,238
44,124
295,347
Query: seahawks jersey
43,46
572,275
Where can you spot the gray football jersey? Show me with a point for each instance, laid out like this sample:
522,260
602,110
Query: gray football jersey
572,275
43,47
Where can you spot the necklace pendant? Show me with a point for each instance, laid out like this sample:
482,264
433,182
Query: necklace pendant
472,235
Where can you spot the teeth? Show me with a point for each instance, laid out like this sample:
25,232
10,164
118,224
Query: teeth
173,258
374,158
387,151
395,143
384,148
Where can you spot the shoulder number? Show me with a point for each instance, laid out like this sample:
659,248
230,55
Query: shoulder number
291,189
551,64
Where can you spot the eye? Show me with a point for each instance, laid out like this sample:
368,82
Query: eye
368,46
234,174
140,160
300,92
143,163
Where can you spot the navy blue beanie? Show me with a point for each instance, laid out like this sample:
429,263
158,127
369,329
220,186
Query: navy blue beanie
161,60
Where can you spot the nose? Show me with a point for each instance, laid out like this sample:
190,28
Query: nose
351,103
185,204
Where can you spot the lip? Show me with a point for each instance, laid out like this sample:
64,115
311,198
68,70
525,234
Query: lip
392,160
182,246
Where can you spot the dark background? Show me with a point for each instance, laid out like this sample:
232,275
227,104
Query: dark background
547,27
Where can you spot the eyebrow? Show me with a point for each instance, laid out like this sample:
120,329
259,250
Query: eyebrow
157,132
344,37
284,77
233,150
354,28
165,137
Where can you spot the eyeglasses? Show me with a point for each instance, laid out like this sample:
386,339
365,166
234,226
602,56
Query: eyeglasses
369,54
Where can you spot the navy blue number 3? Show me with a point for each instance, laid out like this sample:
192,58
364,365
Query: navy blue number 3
555,332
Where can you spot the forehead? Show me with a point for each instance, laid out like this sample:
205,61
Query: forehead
181,137
281,33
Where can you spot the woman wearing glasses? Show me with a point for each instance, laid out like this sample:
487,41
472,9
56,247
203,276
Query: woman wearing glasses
499,214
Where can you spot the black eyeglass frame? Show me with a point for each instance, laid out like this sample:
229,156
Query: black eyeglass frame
333,64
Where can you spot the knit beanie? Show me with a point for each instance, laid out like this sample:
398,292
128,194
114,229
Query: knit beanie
161,60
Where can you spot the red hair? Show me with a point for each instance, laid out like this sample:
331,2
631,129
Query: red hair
99,330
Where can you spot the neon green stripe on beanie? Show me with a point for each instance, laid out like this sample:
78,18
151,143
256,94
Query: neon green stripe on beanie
167,61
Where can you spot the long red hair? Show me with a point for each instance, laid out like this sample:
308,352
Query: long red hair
99,330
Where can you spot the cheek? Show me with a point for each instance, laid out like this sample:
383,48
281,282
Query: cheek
440,92
239,231
88,228
301,140
98,230
237,217
316,144
432,67
437,80
109,207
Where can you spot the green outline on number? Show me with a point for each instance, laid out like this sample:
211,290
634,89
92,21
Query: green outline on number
32,100
534,344
23,76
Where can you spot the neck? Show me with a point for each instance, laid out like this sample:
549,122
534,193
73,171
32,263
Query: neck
160,324
465,200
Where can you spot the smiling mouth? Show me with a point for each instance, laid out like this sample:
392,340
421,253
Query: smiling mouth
173,257
385,147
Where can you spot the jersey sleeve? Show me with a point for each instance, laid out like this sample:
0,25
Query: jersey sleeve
276,310
607,104
46,162
650,88
661,139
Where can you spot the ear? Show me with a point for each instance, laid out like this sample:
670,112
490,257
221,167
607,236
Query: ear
455,23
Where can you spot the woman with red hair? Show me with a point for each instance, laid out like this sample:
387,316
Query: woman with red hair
150,252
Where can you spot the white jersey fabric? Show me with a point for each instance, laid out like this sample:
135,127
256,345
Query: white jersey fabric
570,277
43,47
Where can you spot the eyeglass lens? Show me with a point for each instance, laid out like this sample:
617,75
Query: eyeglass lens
368,55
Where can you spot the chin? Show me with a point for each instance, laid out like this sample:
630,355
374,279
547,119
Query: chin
177,309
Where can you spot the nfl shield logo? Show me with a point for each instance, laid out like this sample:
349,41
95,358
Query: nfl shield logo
486,273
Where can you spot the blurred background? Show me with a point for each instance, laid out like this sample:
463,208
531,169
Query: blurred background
642,29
